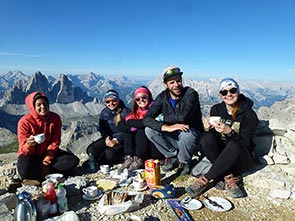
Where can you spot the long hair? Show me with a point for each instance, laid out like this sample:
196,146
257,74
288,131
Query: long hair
236,108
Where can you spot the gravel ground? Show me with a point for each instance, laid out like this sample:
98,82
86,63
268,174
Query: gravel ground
256,206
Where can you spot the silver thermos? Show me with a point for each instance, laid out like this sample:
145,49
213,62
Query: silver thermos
25,209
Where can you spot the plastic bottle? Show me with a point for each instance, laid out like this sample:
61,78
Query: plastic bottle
62,202
91,162
51,196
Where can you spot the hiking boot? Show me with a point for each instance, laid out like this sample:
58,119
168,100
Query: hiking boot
136,164
170,164
233,186
183,169
127,162
200,186
220,185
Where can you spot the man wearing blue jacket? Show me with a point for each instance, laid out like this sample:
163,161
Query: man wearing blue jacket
174,122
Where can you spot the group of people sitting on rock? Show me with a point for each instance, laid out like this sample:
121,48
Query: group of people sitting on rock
169,128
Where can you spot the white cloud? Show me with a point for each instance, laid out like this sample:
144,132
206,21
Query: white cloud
18,54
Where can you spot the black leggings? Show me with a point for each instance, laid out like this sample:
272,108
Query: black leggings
138,144
226,156
104,154
29,167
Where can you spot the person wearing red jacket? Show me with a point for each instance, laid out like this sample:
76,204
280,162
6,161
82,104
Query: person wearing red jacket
36,160
137,147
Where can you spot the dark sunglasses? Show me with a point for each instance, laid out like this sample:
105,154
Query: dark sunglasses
225,92
109,101
142,97
171,72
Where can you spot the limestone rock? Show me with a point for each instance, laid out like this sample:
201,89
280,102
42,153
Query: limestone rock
266,160
279,193
9,199
5,213
281,158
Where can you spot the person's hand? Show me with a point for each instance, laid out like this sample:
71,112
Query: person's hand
160,118
175,127
107,141
223,128
46,165
206,123
47,160
30,144
111,142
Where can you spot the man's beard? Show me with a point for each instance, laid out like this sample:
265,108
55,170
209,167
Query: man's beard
176,95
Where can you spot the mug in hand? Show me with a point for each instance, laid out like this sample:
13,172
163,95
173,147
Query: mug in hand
90,191
214,120
39,138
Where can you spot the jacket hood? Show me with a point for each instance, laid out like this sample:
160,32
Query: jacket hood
246,103
30,103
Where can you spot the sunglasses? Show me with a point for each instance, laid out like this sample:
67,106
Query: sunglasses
171,72
225,92
144,97
109,101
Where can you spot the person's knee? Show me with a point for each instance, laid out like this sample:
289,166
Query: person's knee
149,132
207,138
75,160
90,149
25,171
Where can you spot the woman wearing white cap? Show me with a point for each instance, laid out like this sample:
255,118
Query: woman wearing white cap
228,142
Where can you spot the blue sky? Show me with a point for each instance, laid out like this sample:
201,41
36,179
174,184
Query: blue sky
246,39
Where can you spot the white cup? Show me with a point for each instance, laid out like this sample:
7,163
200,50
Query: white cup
213,120
90,191
138,183
39,138
104,168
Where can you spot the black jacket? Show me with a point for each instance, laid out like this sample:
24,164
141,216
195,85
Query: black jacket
107,124
187,110
245,123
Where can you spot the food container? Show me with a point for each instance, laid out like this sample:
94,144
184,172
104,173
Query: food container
114,202
152,172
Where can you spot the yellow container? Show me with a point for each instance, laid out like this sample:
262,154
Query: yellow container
152,172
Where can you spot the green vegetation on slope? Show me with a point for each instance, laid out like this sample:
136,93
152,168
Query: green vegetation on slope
10,148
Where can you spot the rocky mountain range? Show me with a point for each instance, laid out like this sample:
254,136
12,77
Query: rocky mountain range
65,89
77,98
